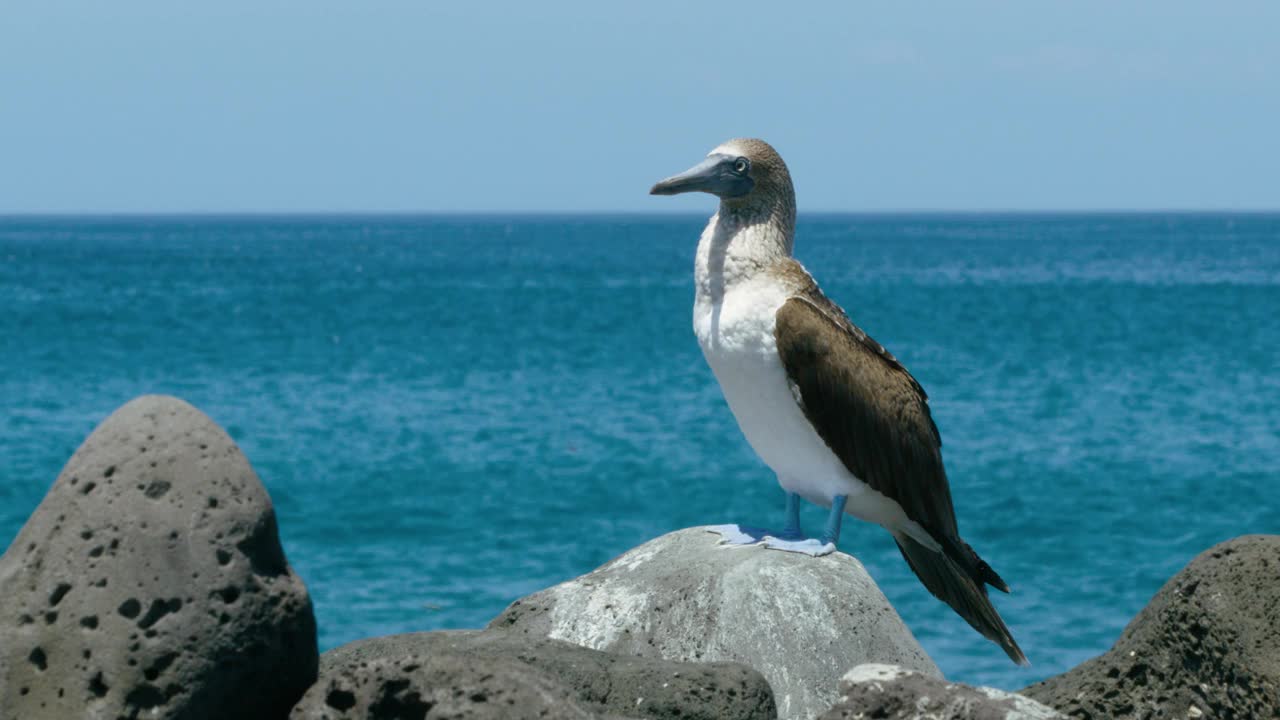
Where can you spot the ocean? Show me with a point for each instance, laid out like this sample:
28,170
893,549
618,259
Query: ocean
451,412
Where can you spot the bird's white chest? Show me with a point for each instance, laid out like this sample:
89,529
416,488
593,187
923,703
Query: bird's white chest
737,338
739,326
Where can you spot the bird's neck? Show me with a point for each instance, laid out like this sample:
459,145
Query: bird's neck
738,244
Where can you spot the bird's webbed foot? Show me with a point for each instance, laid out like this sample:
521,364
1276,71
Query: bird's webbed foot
772,539
739,534
791,538
815,547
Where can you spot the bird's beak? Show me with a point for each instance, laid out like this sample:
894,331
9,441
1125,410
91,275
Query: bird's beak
714,175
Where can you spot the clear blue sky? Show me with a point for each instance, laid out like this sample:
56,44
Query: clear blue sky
241,105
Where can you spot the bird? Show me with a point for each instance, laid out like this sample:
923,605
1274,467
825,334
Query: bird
838,419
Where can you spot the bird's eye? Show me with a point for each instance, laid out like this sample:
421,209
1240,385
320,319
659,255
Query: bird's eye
741,166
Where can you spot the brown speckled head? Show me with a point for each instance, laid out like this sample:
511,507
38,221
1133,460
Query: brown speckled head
772,181
750,179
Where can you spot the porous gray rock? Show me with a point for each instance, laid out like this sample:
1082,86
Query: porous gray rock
438,685
894,693
150,582
801,621
494,674
1206,646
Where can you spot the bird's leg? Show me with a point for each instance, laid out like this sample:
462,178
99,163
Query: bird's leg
792,531
832,532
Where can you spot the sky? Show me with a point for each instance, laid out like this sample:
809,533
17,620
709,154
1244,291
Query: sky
417,106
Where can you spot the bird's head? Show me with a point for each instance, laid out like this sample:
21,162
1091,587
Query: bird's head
746,174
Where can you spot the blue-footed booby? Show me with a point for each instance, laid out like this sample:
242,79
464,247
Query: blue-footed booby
837,418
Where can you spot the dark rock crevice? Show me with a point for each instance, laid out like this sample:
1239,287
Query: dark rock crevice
494,674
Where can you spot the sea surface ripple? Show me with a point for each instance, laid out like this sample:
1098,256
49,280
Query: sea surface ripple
452,412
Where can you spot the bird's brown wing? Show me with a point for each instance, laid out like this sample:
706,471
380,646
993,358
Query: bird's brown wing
867,408
875,417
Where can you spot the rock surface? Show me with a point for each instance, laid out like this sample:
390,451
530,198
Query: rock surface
892,693
1207,646
150,582
801,621
493,674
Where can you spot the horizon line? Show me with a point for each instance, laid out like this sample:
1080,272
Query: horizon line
228,214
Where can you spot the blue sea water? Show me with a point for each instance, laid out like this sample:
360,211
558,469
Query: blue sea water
452,412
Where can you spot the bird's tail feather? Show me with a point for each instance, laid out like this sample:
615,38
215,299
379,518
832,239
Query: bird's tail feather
962,590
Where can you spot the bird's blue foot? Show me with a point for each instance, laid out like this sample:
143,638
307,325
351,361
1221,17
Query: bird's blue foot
772,539
791,538
738,534
806,546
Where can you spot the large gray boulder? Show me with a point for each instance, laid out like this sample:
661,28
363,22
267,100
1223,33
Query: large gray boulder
799,620
1206,646
493,674
893,693
150,582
